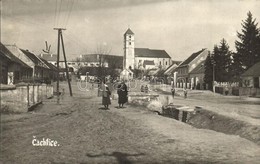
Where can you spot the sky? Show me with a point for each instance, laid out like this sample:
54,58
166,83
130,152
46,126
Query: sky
180,27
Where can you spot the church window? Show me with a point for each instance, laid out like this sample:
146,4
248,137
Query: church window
165,63
129,43
160,63
129,36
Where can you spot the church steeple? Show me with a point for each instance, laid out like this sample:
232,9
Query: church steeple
129,47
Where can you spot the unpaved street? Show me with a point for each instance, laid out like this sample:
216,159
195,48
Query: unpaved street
88,134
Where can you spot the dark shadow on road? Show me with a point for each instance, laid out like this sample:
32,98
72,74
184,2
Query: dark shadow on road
103,108
120,107
121,157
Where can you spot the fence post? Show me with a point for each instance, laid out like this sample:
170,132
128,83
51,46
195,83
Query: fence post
28,95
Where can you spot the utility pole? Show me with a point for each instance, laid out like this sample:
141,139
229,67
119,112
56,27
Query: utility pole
60,39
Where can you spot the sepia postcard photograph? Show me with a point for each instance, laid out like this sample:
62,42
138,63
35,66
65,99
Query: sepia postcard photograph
129,82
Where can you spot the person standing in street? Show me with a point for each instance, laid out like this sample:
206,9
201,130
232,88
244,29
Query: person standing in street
185,92
106,97
122,94
146,89
173,92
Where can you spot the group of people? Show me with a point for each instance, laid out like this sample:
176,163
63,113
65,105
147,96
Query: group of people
185,92
122,92
144,89
122,95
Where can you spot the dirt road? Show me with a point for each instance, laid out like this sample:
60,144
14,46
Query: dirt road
88,134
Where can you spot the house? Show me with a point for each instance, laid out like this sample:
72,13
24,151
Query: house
197,76
143,58
251,77
170,74
13,70
52,71
184,70
40,69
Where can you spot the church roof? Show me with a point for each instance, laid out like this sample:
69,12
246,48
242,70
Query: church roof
129,31
146,52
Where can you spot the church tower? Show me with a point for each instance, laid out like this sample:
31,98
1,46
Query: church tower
129,50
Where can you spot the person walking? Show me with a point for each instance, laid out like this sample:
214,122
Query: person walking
185,92
142,88
146,89
173,92
122,94
106,97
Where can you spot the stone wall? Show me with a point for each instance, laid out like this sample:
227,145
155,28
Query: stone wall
22,98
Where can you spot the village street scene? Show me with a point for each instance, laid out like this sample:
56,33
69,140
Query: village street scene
120,81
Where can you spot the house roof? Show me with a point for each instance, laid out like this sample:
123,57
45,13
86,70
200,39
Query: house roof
129,31
34,58
200,69
11,56
146,52
170,69
192,57
253,71
148,62
51,66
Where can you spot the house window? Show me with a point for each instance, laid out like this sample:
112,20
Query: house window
165,63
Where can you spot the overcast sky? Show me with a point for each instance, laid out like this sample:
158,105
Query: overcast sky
180,27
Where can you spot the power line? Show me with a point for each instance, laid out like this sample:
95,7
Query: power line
56,8
69,12
59,13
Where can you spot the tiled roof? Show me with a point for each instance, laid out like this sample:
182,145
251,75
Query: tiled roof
146,52
129,31
170,69
51,66
11,56
199,69
253,71
192,57
34,58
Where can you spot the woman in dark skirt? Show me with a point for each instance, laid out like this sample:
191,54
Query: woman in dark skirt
106,97
122,94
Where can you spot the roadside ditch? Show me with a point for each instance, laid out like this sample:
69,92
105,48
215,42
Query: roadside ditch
198,117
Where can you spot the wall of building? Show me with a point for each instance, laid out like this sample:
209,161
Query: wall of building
164,62
20,99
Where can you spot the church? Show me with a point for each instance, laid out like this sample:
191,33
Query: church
141,58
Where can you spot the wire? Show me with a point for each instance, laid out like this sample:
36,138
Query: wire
56,8
69,13
59,13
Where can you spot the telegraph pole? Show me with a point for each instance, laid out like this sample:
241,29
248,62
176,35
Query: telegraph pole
60,39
